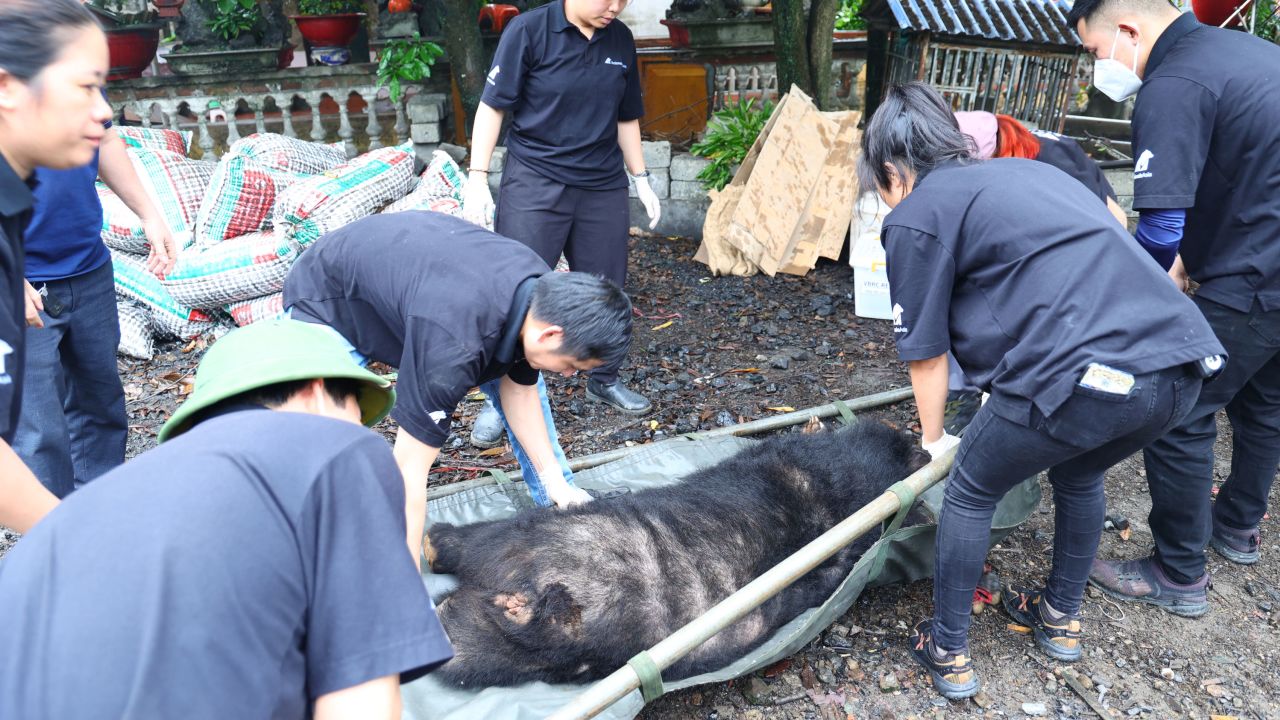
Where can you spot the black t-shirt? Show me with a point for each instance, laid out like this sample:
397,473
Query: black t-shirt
241,570
566,95
1066,154
15,211
1206,136
1023,275
430,294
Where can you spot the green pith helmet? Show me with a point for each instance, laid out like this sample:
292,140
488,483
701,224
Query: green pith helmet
276,351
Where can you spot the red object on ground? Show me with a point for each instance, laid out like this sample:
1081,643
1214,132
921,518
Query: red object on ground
329,30
399,6
131,50
1215,12
494,18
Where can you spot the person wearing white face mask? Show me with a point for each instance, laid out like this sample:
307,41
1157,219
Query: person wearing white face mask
567,75
1206,177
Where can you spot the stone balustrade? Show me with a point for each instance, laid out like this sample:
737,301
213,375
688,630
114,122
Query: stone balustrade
322,104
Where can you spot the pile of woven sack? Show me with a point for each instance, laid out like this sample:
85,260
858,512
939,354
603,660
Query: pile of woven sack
243,220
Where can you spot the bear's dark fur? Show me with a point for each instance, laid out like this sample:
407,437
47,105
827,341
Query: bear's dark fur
571,595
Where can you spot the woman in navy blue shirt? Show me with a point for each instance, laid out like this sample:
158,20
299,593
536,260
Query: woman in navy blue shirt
566,75
1088,351
53,63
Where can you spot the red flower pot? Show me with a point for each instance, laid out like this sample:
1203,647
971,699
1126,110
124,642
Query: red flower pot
131,50
329,30
1215,12
285,58
168,8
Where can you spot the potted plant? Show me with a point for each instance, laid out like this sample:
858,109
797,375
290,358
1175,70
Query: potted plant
225,37
849,22
133,35
406,60
717,24
168,8
730,134
329,26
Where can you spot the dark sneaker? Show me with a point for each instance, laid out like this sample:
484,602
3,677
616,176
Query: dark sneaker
952,672
961,406
1145,581
1059,639
1238,546
619,396
487,431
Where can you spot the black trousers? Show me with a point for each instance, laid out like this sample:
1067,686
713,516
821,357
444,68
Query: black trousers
1180,464
589,226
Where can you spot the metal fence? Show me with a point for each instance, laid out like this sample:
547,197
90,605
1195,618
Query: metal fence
1033,86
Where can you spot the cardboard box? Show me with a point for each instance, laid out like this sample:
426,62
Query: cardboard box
794,193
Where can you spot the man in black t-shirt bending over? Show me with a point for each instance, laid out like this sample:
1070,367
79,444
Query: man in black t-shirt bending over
455,306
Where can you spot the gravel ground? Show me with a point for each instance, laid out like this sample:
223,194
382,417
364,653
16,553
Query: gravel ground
715,351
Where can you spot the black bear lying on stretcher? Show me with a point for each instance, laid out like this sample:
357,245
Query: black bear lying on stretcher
571,595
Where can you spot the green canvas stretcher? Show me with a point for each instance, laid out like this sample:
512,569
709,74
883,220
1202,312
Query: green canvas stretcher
905,555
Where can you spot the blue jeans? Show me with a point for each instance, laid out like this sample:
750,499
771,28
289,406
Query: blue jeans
1077,444
72,426
536,491
1180,464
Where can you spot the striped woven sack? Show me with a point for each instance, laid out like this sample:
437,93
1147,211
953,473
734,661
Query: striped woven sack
313,207
121,227
167,315
140,138
231,271
176,185
136,340
292,154
248,312
439,188
241,194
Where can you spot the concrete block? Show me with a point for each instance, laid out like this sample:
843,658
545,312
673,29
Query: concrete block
679,217
422,156
657,155
686,190
498,160
495,182
457,152
427,108
659,180
686,167
425,132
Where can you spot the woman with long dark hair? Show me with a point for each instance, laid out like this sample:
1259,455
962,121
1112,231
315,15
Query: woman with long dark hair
1088,352
53,63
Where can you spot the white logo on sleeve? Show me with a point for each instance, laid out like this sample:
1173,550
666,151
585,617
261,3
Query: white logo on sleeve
5,351
619,63
897,319
493,75
1140,168
438,416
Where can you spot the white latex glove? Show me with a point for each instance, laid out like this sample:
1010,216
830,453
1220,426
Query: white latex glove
477,201
559,491
941,445
649,199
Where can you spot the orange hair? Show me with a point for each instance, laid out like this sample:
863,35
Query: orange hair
1014,140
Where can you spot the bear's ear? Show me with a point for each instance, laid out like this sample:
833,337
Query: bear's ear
918,459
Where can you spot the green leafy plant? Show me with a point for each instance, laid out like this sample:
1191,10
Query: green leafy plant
1268,21
407,60
329,7
730,134
232,18
847,18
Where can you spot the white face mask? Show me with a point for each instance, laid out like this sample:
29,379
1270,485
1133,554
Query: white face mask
1113,79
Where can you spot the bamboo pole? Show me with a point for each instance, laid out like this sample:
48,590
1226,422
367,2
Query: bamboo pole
616,686
776,422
